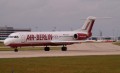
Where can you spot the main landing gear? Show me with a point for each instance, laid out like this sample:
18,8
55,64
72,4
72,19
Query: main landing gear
47,48
63,48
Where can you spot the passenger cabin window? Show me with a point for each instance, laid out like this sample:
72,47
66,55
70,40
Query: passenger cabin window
13,37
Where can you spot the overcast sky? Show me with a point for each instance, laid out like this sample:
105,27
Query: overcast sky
45,15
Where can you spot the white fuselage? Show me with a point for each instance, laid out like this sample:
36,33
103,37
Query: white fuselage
41,38
64,38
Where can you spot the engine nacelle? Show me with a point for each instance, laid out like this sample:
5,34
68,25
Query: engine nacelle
80,36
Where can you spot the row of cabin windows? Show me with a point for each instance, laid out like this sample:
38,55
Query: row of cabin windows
13,37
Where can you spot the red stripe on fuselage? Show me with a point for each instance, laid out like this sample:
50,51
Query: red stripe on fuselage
37,44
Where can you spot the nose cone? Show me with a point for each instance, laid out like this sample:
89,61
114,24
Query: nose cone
6,42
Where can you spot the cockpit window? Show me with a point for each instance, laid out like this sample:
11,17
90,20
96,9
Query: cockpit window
16,37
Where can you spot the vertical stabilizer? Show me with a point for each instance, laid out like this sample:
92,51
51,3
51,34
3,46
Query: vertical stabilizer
87,27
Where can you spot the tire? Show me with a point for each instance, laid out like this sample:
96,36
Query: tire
16,50
47,49
64,48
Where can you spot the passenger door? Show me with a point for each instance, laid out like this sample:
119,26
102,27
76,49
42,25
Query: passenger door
23,38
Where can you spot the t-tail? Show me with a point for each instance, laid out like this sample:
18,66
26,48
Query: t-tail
87,27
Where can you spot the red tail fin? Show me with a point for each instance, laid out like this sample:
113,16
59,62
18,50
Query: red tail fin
88,24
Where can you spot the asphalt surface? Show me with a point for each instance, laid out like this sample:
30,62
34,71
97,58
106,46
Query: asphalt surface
84,49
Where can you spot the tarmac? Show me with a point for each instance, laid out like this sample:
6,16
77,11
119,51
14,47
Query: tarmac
84,49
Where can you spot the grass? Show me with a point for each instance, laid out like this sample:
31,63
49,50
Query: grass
1,44
83,64
117,43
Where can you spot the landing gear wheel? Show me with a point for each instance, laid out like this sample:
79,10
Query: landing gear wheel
16,50
64,48
47,49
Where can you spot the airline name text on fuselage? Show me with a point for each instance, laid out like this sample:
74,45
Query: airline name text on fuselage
31,37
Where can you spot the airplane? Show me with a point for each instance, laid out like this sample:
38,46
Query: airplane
56,38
